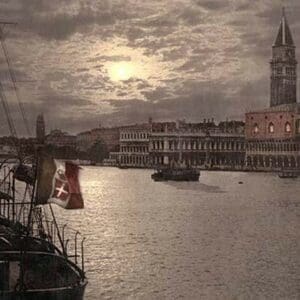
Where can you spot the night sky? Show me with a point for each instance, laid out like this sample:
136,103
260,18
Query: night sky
86,62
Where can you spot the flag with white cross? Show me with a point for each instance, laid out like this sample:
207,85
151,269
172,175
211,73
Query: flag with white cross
58,182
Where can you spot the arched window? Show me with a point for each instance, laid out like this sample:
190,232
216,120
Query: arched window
255,128
287,127
271,128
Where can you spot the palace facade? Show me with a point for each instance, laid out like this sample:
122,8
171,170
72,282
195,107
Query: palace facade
134,146
202,145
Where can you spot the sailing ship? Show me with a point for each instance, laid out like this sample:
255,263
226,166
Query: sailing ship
35,260
176,171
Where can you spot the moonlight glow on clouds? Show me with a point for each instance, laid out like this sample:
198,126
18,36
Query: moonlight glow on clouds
122,71
122,61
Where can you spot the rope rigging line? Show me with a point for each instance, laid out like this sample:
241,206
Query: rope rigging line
15,141
10,122
13,79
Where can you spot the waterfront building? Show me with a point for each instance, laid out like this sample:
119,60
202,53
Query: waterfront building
134,146
84,141
273,134
7,152
107,135
203,145
59,138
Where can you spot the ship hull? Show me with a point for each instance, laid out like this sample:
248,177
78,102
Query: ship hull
47,273
176,176
68,293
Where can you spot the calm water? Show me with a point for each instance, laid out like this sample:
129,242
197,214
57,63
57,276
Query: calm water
213,239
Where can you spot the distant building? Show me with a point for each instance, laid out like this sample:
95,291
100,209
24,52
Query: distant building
109,136
59,138
273,134
134,146
7,151
204,145
40,128
84,141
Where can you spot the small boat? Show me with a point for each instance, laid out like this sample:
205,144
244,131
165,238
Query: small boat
177,171
122,166
176,174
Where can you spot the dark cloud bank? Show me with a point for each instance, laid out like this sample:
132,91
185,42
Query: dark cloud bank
195,38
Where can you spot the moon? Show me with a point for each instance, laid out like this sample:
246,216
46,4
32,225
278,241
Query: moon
121,71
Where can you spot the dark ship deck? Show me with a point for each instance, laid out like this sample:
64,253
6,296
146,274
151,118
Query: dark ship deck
34,261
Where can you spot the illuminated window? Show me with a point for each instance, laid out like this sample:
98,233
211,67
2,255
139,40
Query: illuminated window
255,128
271,128
288,127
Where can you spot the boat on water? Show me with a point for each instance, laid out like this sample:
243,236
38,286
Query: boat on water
176,171
122,167
39,260
176,174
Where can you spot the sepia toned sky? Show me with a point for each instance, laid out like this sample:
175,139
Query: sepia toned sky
86,62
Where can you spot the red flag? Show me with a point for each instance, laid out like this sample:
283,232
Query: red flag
58,182
72,174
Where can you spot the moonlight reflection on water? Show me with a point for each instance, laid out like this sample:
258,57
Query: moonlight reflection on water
212,239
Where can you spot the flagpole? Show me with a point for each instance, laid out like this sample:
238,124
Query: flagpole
58,232
32,201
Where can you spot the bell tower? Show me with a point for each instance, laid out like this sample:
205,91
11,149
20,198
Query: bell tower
40,128
283,66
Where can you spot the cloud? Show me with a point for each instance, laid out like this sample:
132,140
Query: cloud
194,58
159,94
60,26
193,107
59,20
114,58
213,5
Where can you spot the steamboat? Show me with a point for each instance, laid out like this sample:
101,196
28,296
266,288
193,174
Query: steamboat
176,174
176,171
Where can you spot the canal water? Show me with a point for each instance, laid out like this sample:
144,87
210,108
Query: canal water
228,236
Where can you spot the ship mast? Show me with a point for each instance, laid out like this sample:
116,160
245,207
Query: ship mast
12,75
9,118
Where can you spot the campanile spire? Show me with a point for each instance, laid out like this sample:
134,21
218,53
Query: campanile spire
283,66
283,26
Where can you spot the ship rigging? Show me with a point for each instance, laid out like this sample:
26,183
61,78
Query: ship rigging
35,260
